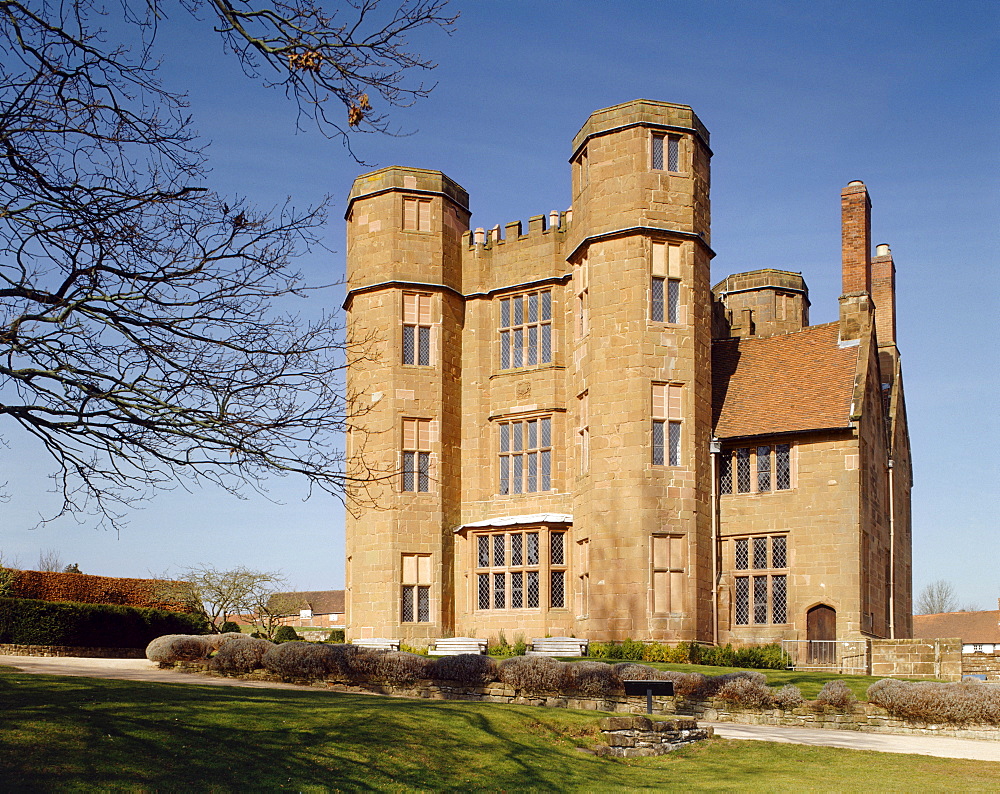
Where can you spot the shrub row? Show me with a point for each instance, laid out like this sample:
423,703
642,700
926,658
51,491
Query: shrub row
932,702
86,589
761,657
31,622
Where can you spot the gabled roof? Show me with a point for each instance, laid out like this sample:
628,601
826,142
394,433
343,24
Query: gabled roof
972,627
786,383
321,602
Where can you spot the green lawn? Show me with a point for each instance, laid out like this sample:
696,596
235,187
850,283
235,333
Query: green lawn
71,734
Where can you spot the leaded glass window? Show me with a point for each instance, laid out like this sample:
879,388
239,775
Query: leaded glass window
526,456
743,470
558,589
509,570
782,467
759,553
763,468
760,599
742,554
526,330
742,607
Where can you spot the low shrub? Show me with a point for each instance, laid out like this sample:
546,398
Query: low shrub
747,692
229,627
465,668
593,678
835,694
400,667
935,702
533,674
626,650
30,622
285,634
337,635
788,697
499,647
752,656
418,650
239,655
178,648
315,661
630,671
660,652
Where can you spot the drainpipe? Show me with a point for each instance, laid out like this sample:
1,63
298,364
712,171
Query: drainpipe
715,448
892,556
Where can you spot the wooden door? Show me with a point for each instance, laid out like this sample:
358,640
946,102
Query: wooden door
821,631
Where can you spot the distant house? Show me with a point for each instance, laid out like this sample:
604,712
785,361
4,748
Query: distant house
979,631
311,607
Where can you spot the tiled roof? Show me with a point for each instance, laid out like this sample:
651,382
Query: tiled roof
970,626
791,382
322,602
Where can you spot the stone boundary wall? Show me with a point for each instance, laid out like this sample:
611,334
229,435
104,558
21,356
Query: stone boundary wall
939,659
71,650
864,717
987,664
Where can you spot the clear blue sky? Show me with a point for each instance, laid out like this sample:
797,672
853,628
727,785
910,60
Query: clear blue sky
800,98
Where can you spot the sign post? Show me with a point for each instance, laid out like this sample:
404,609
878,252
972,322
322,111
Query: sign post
649,688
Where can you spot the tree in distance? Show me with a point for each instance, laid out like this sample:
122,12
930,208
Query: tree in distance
49,561
222,596
140,340
938,596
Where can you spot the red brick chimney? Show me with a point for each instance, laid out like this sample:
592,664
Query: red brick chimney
856,237
856,246
884,295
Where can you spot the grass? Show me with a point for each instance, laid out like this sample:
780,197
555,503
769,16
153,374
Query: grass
75,734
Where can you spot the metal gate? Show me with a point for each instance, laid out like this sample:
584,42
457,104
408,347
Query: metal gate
842,656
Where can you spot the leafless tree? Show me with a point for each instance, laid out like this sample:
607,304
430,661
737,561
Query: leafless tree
140,339
220,595
270,607
938,596
49,560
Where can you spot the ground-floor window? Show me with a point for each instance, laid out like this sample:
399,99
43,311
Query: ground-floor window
520,569
761,593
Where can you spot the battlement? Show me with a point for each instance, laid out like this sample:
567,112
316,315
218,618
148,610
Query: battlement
404,179
513,232
644,112
761,279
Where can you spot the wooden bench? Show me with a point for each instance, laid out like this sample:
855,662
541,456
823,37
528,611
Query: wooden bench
557,646
377,644
453,646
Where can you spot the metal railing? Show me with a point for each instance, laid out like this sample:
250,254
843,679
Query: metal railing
844,656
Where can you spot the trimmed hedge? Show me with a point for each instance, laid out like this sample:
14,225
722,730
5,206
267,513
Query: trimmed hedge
86,589
761,657
26,621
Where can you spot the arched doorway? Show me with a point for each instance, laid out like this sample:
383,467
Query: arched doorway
821,631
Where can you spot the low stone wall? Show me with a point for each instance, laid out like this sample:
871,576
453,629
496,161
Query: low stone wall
939,659
987,664
864,716
637,737
71,650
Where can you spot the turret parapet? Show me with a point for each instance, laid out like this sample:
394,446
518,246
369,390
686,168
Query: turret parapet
403,179
645,112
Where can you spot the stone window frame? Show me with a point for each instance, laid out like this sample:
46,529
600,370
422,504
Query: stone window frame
667,425
583,431
503,569
581,290
416,214
517,357
666,149
667,296
508,430
741,471
760,586
416,458
415,588
667,566
419,318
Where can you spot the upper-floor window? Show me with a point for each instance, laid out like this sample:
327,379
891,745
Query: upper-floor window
666,152
583,431
416,468
666,433
526,455
581,279
416,329
756,469
526,330
665,286
416,214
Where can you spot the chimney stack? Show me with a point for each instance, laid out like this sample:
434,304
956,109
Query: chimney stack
856,236
884,295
